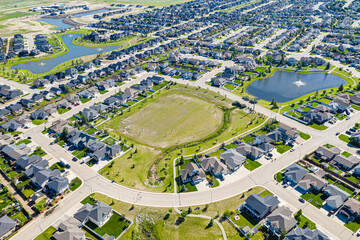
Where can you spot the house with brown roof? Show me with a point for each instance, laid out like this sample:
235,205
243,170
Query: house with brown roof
312,182
192,173
214,166
350,209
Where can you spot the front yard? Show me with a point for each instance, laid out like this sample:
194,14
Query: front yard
113,227
316,199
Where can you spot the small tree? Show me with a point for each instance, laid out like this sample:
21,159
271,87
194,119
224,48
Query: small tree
181,162
184,213
341,88
327,66
189,210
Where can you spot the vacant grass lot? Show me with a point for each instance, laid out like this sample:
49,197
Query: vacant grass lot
145,163
169,119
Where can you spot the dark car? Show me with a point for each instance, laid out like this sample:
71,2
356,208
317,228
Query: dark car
75,159
301,200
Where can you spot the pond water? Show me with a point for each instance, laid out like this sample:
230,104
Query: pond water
75,51
57,22
285,86
91,13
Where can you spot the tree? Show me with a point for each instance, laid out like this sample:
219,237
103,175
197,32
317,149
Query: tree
327,66
227,213
181,162
341,88
184,213
189,210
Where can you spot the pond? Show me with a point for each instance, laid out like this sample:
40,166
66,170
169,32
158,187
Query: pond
56,22
285,86
91,12
75,51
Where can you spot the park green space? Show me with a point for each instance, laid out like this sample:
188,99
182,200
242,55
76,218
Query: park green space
150,163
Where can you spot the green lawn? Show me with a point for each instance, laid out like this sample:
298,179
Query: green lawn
265,193
248,139
26,141
103,91
318,127
342,187
251,164
47,234
229,86
79,153
38,121
75,183
305,222
217,153
57,166
346,154
353,226
281,148
85,100
113,227
304,136
28,192
171,117
344,138
63,110
315,199
245,220
40,205
279,177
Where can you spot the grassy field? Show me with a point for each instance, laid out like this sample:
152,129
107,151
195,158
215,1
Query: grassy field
168,120
149,162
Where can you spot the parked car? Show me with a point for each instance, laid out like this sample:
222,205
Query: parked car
301,200
75,159
337,134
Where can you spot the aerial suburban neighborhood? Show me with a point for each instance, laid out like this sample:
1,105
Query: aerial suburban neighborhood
180,119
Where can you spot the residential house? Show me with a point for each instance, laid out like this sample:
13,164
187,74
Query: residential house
192,173
280,220
312,182
69,230
351,209
42,177
232,159
25,162
57,185
336,196
7,226
90,114
249,151
327,154
99,213
258,207
214,166
11,126
306,234
346,163
294,173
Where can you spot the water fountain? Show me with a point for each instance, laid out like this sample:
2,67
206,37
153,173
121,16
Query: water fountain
299,83
42,64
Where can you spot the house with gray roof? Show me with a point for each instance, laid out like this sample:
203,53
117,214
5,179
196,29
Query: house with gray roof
69,230
327,154
306,234
15,152
30,172
57,185
90,114
249,151
25,162
99,213
294,173
346,163
42,177
192,173
258,207
232,159
214,166
312,182
336,196
280,220
7,226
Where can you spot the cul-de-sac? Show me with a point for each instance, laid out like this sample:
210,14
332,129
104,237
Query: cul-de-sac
180,119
